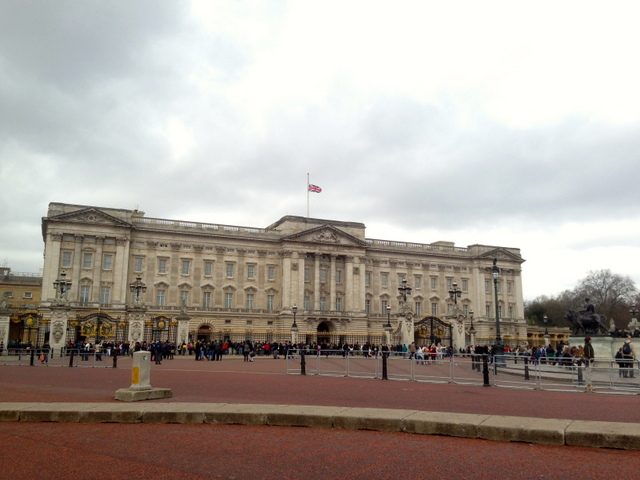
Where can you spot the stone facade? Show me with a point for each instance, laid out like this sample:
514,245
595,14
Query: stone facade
221,281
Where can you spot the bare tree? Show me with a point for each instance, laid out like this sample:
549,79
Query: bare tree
612,294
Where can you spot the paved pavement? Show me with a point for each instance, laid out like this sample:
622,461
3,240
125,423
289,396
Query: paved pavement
254,393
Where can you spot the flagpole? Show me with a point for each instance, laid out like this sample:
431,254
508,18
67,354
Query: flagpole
307,194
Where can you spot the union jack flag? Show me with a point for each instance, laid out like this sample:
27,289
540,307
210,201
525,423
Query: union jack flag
314,188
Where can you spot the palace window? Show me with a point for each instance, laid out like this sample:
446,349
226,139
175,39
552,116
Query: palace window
251,271
137,264
162,264
160,297
208,268
206,300
384,279
228,300
248,301
323,275
434,309
367,306
271,273
107,261
434,283
307,302
338,276
85,292
270,302
338,304
449,283
322,303
383,306
67,258
417,282
230,267
418,308
465,285
105,295
185,266
367,279
87,260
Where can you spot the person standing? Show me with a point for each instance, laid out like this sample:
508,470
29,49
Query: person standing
589,354
628,356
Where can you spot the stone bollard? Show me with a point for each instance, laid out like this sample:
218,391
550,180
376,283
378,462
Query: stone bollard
526,368
141,388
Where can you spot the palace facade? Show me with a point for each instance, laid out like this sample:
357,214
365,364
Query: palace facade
115,274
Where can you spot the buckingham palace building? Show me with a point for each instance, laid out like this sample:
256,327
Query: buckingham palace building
116,275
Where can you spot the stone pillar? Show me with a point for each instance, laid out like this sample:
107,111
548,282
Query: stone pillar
4,330
51,265
74,274
316,283
300,295
349,287
58,328
97,271
332,284
120,271
362,294
136,320
286,280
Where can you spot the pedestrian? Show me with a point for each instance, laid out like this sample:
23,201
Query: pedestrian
629,355
589,354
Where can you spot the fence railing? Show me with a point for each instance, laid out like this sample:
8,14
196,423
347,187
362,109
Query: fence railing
65,357
506,371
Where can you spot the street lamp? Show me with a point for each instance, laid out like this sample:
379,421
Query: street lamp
136,289
388,317
545,319
495,273
455,293
404,290
472,330
294,310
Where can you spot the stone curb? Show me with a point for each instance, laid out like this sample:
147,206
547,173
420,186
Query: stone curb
490,427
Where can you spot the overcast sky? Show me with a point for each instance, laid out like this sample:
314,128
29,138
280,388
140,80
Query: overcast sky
510,123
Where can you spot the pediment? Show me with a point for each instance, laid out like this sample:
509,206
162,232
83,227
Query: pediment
90,215
502,254
327,234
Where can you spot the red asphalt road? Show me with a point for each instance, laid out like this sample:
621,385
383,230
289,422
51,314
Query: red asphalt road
50,450
265,381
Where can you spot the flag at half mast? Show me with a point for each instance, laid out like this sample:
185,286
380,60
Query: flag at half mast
314,188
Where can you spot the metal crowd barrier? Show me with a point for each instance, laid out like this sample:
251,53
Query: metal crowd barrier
65,357
507,371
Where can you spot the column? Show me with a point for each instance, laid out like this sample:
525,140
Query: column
51,264
362,295
97,271
300,296
286,280
316,283
121,266
332,284
74,275
349,300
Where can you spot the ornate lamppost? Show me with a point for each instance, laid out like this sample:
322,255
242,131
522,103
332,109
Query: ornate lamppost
455,293
472,330
404,290
61,286
137,288
545,319
495,273
388,325
294,327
